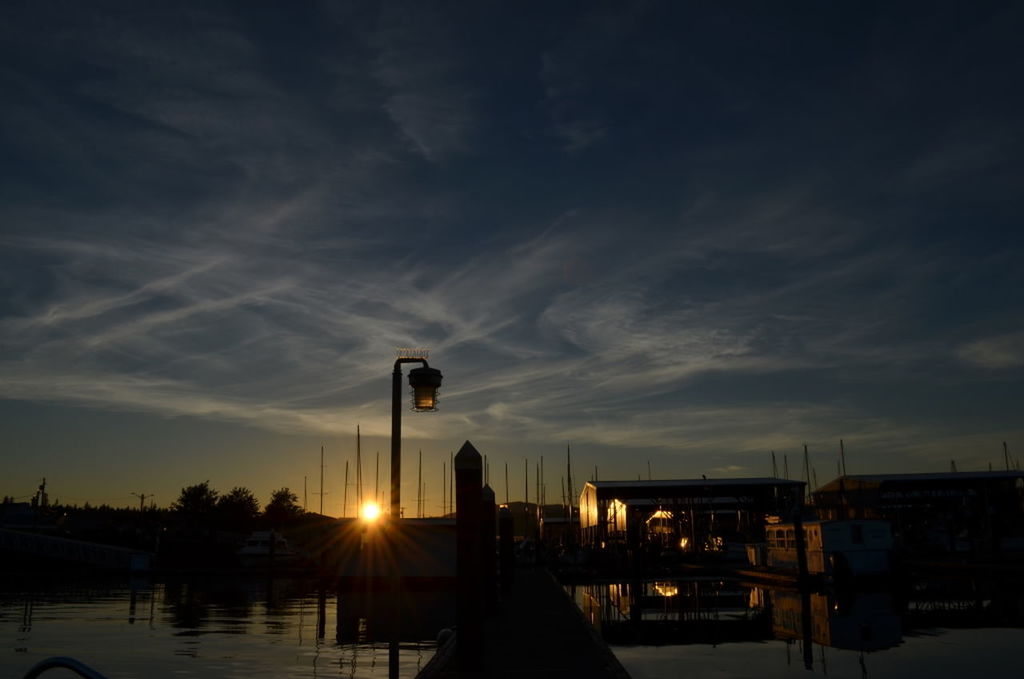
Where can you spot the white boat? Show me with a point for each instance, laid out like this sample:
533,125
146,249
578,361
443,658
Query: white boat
837,548
265,548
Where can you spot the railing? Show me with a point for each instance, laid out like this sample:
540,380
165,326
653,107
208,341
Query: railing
81,669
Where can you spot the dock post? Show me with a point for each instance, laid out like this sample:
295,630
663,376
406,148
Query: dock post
507,562
469,609
488,553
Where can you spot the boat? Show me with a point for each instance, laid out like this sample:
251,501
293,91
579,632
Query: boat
844,548
264,548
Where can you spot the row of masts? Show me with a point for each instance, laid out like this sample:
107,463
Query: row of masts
447,482
810,477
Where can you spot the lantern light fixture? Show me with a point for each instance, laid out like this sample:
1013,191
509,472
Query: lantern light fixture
425,382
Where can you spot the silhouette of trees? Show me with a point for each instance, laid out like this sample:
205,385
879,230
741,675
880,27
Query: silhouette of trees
238,509
197,500
283,506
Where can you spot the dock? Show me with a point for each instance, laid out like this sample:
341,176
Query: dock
537,631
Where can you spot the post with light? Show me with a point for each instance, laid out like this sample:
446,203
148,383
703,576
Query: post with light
425,382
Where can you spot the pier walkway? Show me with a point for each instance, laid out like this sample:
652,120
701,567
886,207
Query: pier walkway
537,632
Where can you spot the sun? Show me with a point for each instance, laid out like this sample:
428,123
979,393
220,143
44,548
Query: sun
370,511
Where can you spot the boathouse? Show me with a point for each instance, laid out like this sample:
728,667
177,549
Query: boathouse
691,515
940,512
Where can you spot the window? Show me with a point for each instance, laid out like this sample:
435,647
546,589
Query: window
857,534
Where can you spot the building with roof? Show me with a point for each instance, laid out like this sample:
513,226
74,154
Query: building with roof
692,515
980,512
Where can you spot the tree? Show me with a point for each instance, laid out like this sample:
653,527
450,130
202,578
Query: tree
238,508
197,500
283,505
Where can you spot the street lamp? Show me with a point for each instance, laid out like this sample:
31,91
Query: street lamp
424,382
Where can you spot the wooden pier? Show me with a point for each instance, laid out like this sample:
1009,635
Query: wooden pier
537,631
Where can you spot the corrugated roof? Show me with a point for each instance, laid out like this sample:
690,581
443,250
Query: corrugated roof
923,477
933,476
681,483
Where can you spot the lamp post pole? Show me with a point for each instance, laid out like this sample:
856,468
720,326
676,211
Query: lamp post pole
424,381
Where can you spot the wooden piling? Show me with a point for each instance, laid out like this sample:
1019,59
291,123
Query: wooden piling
469,609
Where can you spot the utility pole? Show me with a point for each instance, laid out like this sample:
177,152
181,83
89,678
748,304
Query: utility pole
142,500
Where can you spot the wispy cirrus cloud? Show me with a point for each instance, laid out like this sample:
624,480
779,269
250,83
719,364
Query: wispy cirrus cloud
995,353
625,229
418,67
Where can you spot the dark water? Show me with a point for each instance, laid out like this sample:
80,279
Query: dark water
939,628
214,627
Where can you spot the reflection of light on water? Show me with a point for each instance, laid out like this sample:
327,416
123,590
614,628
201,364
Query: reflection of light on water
230,627
666,589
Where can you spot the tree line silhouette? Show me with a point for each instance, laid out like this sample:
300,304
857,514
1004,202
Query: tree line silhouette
237,508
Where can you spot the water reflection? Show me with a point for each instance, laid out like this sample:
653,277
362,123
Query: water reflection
716,611
221,627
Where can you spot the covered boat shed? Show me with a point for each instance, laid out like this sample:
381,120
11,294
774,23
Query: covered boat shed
937,512
693,515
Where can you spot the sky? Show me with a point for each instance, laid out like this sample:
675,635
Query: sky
672,235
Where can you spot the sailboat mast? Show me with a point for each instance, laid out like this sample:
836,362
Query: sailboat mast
359,470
